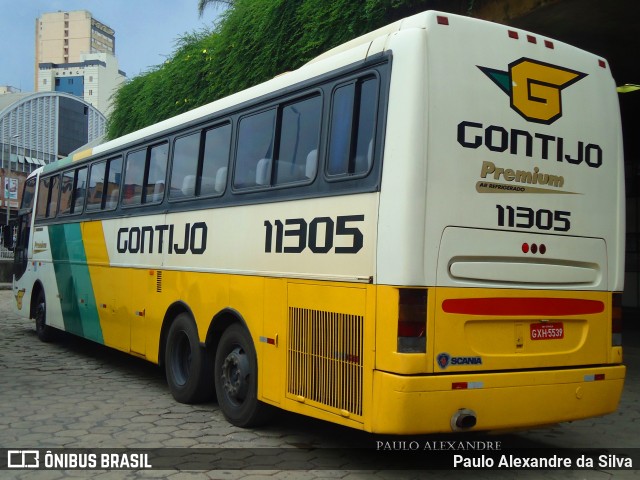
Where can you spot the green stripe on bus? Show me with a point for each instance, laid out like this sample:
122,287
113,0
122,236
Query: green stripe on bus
50,167
77,300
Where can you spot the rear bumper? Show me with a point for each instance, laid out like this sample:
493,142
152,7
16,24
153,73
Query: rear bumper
509,400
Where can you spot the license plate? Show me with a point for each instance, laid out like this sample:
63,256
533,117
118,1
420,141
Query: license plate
547,331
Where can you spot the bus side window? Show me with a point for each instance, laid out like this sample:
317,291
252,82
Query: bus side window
134,177
79,190
48,193
72,191
184,167
215,160
96,186
157,173
52,211
352,130
113,177
43,198
66,192
299,139
255,150
145,175
341,122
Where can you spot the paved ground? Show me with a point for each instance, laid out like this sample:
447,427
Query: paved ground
75,394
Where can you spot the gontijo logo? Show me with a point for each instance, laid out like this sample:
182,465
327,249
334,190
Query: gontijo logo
534,87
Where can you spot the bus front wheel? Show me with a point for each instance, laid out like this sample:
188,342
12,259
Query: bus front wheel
187,363
44,332
236,379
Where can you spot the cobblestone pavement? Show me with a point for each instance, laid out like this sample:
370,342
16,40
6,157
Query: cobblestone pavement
76,394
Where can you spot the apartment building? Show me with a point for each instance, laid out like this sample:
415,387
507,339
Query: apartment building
75,54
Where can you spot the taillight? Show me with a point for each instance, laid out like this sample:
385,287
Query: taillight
412,320
616,320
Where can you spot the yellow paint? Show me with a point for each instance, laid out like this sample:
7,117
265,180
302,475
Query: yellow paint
412,405
400,393
83,154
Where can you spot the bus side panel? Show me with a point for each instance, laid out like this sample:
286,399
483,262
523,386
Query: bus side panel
59,264
273,340
74,282
106,286
40,269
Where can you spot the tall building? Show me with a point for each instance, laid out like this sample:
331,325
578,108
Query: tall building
62,37
75,53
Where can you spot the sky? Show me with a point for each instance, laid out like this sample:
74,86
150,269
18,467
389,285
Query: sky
145,31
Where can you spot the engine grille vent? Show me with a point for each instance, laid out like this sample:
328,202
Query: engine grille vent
325,359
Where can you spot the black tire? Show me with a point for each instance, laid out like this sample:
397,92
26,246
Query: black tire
187,364
44,332
236,379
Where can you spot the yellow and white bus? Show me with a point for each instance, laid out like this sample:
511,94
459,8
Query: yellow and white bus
421,230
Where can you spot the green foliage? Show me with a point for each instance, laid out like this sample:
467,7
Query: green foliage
253,41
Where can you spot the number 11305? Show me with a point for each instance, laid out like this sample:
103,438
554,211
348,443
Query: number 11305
525,217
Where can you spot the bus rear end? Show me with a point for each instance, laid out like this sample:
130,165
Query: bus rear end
515,255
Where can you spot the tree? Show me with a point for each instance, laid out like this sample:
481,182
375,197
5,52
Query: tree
253,41
202,4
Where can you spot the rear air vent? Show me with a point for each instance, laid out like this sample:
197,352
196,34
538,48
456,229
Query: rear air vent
324,359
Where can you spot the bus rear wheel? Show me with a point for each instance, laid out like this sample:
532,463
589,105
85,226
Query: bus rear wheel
44,332
236,379
187,363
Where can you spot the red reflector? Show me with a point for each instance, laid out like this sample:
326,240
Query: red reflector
534,248
525,248
602,63
598,376
543,249
459,386
442,20
531,39
513,34
541,306
548,44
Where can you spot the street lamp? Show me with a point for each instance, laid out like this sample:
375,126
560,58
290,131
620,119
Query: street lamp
7,185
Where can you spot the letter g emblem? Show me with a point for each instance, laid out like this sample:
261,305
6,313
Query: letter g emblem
534,88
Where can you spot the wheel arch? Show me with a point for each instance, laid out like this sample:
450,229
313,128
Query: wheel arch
219,323
170,315
37,288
